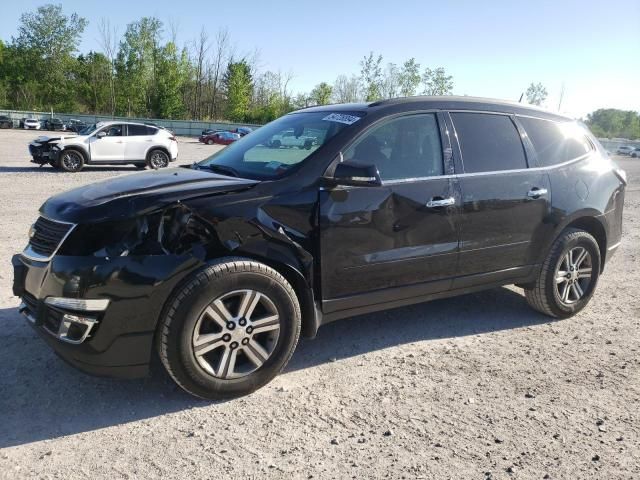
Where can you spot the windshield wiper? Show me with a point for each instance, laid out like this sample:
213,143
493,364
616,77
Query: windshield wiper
222,169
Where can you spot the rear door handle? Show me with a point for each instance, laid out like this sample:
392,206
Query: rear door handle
536,192
441,202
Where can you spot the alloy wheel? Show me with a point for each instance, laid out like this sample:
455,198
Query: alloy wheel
71,160
236,334
158,160
573,275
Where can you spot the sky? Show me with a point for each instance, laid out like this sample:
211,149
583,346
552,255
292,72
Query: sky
589,49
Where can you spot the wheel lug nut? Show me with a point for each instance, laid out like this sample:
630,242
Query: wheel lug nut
231,325
249,329
245,341
242,322
234,345
226,337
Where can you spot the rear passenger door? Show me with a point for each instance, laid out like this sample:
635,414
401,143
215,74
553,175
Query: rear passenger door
504,202
139,139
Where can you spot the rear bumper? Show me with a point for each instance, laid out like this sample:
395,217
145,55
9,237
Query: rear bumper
120,343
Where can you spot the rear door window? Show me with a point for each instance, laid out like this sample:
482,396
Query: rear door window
489,142
140,130
555,142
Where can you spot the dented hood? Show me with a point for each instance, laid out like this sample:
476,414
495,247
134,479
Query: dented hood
137,194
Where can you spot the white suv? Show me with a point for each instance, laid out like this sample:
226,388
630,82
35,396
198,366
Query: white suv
108,143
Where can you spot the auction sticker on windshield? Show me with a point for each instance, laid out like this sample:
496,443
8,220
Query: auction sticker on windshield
341,118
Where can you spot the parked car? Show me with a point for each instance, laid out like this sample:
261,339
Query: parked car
624,150
54,124
242,131
5,122
290,139
210,131
222,138
30,124
221,267
107,143
74,125
635,153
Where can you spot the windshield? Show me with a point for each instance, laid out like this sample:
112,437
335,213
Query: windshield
87,130
277,148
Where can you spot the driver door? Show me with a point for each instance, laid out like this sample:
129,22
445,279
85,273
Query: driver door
109,148
398,240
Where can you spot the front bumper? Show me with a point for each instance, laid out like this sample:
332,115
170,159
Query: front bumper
40,153
120,342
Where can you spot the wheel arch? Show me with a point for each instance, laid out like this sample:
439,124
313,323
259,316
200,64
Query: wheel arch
304,292
79,149
157,147
592,224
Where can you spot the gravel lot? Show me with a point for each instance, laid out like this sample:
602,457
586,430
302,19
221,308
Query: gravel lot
473,387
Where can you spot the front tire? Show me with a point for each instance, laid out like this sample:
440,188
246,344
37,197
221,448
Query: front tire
157,159
230,329
71,161
568,277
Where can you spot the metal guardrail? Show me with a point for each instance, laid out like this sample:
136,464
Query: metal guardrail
190,128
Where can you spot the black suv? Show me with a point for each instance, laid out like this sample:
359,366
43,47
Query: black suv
5,122
219,267
54,124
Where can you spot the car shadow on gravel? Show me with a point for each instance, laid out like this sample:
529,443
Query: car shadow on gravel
86,169
43,398
472,314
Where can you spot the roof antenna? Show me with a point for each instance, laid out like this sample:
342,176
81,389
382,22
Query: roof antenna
521,95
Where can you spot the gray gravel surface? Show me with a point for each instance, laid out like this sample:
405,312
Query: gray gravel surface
478,386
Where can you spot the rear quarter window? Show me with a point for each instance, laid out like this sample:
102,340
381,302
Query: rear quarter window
489,142
555,142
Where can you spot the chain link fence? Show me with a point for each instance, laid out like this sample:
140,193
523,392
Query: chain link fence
191,128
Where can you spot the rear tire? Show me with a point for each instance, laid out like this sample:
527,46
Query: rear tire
218,312
209,142
568,277
157,159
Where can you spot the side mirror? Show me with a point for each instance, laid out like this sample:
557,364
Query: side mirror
356,174
101,134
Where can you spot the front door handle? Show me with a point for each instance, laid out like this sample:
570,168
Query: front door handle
441,202
536,192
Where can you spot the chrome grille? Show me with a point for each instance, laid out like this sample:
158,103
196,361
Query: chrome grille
46,237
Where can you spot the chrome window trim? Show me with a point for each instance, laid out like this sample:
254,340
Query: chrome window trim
495,172
31,255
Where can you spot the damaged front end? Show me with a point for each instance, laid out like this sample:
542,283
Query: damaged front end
175,230
40,150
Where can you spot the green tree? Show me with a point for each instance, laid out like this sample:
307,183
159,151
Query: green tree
92,79
47,40
238,86
321,94
437,82
614,123
409,78
371,77
536,94
168,99
136,64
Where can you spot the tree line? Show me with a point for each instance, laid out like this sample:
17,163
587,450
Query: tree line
144,73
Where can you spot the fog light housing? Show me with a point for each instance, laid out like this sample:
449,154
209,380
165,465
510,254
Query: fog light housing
73,328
